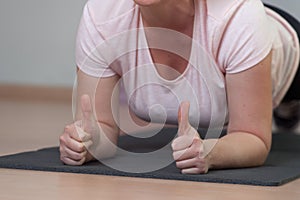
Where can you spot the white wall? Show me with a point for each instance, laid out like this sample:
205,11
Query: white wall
292,6
37,39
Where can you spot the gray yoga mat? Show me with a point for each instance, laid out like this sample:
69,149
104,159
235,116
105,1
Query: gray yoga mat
282,165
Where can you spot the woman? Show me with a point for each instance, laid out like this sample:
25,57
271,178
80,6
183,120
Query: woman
236,50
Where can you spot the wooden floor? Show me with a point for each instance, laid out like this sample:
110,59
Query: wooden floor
29,125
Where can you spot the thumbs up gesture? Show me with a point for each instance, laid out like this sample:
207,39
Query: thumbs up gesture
79,136
188,148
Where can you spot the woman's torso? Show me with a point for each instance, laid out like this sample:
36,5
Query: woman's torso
120,41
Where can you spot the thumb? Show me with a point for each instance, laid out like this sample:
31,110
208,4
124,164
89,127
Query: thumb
87,113
183,118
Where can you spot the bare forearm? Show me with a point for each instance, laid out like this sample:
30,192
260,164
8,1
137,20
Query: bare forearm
105,145
236,150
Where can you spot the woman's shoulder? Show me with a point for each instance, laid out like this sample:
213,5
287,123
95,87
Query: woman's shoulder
102,11
226,9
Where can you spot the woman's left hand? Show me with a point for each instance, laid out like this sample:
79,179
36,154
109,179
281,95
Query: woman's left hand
188,147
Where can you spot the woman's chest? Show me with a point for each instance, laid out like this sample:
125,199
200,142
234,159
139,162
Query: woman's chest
155,99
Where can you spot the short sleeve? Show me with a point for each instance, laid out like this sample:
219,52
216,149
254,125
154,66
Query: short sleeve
248,38
88,56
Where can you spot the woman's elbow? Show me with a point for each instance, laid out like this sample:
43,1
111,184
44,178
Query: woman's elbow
264,152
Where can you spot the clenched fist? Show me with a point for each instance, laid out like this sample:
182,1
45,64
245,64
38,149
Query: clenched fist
77,138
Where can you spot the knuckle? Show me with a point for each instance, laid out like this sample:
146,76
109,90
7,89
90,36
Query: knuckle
201,167
67,128
173,145
62,139
177,156
81,147
174,156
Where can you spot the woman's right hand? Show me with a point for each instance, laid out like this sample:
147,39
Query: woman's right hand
75,139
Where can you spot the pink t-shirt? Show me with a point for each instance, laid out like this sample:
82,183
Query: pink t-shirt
229,36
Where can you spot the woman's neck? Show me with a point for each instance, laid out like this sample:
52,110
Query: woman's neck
172,14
